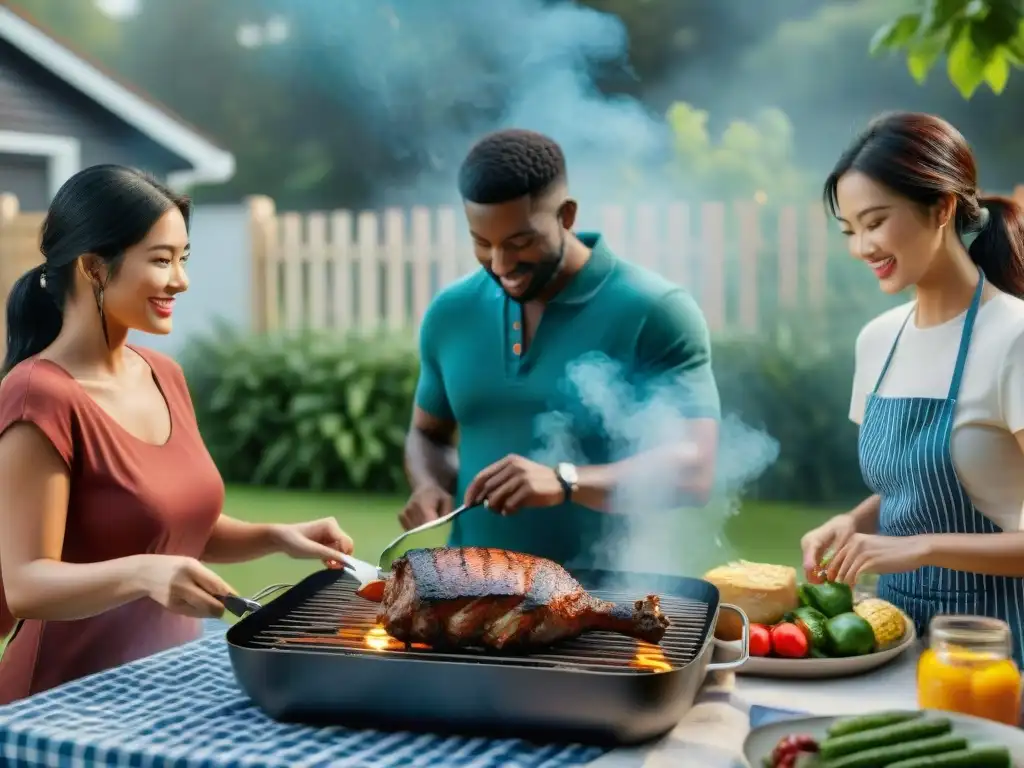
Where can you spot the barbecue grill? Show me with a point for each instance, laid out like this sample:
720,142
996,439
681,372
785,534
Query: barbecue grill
317,655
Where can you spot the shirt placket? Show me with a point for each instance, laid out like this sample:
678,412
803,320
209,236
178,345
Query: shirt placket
515,336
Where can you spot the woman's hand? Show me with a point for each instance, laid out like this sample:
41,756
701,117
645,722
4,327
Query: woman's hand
183,585
864,553
815,543
317,539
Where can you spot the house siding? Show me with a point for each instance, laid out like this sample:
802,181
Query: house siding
26,177
33,100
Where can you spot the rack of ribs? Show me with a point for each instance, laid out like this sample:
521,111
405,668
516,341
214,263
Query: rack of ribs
452,597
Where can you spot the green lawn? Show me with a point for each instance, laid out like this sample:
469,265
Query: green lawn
761,532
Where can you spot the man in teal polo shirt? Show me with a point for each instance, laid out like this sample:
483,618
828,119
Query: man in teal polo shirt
497,351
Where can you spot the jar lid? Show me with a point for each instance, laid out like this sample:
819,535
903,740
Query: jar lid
973,631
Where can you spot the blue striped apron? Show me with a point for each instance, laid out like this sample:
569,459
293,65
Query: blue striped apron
905,458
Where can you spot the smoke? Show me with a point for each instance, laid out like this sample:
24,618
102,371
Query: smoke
610,418
428,77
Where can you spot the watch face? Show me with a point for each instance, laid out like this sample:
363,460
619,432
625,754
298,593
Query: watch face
568,473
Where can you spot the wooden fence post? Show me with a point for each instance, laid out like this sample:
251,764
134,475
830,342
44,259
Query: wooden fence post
712,265
749,245
263,264
817,256
788,259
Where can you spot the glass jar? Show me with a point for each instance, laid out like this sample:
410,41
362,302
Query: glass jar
865,588
968,668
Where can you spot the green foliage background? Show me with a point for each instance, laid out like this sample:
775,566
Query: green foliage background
313,411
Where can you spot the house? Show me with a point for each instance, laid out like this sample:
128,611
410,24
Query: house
60,112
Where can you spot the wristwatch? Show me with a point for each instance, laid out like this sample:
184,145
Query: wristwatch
569,478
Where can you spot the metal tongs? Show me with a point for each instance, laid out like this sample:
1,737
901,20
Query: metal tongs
363,572
371,578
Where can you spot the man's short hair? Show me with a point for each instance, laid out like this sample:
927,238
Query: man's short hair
510,164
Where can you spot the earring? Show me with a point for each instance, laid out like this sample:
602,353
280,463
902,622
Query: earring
42,279
103,318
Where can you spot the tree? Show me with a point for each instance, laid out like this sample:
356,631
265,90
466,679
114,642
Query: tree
981,40
814,70
751,160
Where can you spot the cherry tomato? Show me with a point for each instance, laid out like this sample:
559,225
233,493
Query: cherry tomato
760,640
789,641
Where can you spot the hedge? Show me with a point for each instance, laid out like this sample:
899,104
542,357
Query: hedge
322,412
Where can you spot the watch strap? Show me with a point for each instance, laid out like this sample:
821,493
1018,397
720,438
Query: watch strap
567,487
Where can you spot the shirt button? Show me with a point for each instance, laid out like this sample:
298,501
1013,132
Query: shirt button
517,348
515,325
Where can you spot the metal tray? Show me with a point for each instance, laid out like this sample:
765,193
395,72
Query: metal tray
601,688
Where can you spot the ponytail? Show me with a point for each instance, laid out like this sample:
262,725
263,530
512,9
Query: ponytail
33,318
998,248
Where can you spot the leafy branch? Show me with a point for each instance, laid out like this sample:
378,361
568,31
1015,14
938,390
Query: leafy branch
982,41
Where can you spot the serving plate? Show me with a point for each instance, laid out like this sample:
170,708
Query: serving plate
761,741
817,669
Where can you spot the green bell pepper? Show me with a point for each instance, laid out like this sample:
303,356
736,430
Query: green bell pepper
831,598
849,635
812,622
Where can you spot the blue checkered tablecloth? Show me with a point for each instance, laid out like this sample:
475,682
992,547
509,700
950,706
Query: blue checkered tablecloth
183,709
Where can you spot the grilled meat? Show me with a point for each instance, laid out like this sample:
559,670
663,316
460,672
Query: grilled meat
477,596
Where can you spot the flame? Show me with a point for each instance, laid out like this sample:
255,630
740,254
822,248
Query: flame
375,638
379,640
344,637
650,657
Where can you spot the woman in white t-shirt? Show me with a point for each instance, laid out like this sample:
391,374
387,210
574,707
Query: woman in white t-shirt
938,390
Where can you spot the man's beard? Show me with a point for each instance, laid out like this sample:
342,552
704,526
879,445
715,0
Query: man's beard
541,275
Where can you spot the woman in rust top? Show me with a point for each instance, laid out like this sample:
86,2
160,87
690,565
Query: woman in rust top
109,501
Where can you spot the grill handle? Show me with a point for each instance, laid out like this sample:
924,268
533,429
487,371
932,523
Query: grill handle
720,666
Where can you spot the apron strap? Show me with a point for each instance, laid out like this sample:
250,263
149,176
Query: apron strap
892,351
965,342
965,339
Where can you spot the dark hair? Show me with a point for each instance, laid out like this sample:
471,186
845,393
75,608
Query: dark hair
923,158
510,164
103,210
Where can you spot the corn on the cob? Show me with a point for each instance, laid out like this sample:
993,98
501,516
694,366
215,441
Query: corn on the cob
887,622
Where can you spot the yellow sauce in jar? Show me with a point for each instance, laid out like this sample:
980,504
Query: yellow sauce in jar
968,669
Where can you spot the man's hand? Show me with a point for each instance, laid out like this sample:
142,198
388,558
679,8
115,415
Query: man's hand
513,483
427,503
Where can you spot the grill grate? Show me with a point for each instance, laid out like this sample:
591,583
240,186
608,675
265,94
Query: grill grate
336,620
